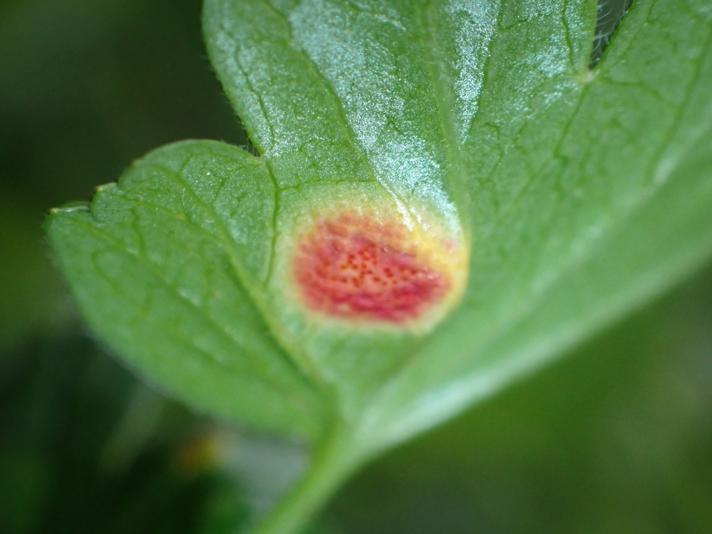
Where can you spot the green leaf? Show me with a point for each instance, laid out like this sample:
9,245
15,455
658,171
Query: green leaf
161,265
523,198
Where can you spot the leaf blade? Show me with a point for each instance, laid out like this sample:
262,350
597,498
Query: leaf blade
610,247
155,276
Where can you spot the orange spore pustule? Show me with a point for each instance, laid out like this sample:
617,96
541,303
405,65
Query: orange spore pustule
354,266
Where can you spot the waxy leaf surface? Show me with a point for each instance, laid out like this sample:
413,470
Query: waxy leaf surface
549,197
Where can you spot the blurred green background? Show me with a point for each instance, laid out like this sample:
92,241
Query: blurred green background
616,437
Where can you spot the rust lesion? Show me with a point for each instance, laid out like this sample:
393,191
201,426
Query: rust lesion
360,265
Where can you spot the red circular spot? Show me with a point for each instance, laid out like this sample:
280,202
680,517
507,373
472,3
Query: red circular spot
352,266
